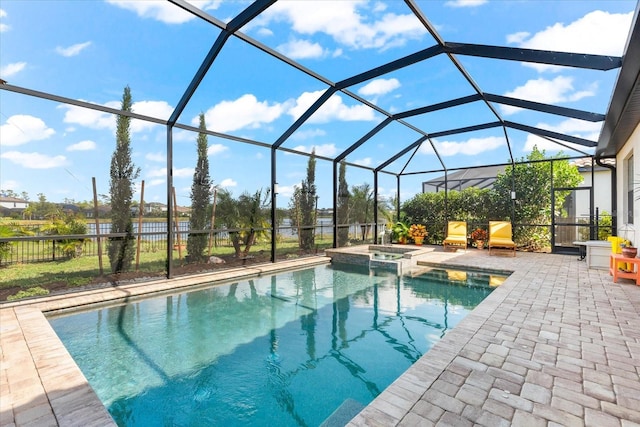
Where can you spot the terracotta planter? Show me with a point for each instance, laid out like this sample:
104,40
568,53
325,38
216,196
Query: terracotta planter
629,252
480,244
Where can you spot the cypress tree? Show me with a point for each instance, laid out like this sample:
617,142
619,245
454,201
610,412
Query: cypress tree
307,205
123,172
343,205
200,192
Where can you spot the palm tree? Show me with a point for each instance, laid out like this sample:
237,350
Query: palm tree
246,218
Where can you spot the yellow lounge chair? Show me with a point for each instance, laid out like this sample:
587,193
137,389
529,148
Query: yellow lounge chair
456,235
501,236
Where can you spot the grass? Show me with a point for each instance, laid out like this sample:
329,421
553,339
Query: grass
85,269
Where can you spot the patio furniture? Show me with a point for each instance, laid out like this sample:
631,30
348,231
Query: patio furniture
501,236
617,272
456,235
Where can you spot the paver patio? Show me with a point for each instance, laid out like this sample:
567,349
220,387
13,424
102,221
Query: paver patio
556,344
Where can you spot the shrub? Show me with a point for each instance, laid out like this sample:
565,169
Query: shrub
26,293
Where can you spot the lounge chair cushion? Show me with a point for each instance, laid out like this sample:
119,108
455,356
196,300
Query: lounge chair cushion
456,234
500,235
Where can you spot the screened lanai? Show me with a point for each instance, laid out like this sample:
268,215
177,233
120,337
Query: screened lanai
397,93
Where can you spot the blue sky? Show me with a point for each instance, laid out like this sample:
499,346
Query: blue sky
91,50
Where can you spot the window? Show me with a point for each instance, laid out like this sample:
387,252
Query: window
629,189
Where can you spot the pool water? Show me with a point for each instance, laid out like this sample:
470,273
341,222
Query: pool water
283,350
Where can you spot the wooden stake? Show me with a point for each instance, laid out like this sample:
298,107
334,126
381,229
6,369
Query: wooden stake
175,218
213,218
95,214
140,225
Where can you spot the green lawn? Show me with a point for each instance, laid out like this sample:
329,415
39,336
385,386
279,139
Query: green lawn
85,269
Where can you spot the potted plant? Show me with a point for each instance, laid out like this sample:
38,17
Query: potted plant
400,231
418,232
479,235
628,250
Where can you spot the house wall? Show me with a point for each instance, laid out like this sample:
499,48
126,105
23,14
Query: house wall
601,192
14,204
631,148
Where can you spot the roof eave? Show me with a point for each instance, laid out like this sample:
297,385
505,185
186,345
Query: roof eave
623,114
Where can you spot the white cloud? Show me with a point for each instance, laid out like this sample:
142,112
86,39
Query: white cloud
216,149
161,10
3,27
333,109
34,160
470,147
72,50
90,118
10,184
244,112
156,157
465,3
286,190
342,21
517,38
100,120
558,90
307,134
379,87
85,145
324,150
265,32
183,172
21,128
184,135
363,162
158,109
177,172
228,182
597,32
301,49
12,69
155,182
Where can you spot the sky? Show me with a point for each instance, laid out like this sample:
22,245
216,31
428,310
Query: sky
91,50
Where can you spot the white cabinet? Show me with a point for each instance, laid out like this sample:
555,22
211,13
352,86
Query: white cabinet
598,252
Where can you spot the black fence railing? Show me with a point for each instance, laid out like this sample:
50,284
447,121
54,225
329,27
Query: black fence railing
153,238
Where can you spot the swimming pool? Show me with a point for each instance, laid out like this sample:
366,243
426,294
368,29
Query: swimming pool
284,350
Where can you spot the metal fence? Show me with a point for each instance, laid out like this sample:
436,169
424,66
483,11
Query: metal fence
153,238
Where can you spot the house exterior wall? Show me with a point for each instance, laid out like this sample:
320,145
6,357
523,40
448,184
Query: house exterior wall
631,148
601,192
11,203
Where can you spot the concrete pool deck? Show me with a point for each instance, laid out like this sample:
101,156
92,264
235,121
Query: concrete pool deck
556,344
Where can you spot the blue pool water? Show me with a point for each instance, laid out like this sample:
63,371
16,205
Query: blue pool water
284,350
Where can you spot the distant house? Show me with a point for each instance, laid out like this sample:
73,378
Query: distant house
154,207
577,205
103,211
601,188
13,203
480,177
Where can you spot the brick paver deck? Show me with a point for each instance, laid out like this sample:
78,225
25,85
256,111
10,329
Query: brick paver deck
556,344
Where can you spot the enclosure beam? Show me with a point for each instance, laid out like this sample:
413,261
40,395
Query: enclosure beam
439,106
546,108
466,129
551,134
362,140
567,59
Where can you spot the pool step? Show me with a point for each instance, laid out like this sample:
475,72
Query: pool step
345,412
416,270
